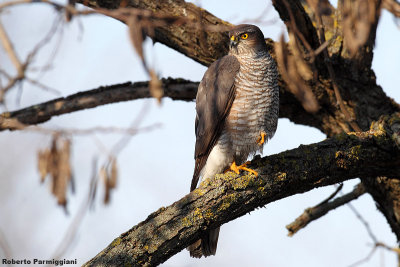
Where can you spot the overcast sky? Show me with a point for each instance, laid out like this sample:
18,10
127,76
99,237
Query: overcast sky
156,168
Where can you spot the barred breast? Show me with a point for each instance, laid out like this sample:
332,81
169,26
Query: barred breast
255,108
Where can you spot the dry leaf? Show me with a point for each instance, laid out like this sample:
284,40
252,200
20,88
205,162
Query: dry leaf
55,162
114,173
43,158
64,172
109,174
155,86
105,178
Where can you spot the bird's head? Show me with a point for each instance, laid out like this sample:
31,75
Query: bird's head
246,38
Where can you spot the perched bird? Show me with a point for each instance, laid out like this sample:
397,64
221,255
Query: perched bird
237,107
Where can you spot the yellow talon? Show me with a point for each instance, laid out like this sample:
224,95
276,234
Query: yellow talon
261,139
236,168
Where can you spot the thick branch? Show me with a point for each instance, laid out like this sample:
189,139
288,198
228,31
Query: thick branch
296,19
226,197
386,193
185,38
174,88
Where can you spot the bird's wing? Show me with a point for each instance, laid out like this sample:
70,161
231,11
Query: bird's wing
213,102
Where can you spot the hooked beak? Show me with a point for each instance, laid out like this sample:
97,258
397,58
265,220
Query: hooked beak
234,41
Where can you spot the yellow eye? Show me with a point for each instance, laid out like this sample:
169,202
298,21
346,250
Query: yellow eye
244,36
233,38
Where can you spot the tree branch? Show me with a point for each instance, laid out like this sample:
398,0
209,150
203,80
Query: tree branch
174,88
227,197
314,213
184,38
297,20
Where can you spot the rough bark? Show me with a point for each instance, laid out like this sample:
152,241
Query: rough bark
226,197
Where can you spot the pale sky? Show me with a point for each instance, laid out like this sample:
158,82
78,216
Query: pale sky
156,168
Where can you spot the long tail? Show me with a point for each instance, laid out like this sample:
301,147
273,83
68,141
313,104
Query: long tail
206,246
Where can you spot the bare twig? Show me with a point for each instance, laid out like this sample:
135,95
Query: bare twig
372,252
337,190
364,222
366,259
73,228
6,42
43,86
314,213
9,48
376,243
323,46
23,67
123,142
89,131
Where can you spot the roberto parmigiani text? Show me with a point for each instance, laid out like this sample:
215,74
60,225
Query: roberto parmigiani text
40,261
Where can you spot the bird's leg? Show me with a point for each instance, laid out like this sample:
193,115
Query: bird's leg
261,139
236,168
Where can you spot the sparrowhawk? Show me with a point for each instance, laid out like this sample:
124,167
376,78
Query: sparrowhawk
236,113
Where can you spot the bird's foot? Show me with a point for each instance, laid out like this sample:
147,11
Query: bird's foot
261,139
236,168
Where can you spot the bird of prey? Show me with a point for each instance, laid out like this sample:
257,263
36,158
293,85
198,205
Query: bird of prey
237,108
